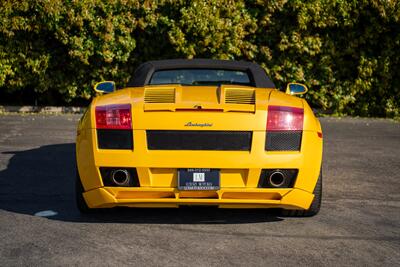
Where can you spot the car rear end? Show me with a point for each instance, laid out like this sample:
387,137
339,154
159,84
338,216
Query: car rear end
227,146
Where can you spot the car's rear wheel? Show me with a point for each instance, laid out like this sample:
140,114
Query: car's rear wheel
315,205
80,200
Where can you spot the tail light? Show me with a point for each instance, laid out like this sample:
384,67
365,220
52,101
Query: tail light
282,118
284,128
114,117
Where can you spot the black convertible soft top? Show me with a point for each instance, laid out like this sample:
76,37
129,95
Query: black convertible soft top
145,71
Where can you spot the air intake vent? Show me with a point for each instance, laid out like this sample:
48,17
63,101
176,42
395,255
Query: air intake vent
240,96
159,95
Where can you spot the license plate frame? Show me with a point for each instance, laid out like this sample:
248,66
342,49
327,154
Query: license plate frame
199,179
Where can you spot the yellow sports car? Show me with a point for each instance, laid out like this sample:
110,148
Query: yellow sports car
199,132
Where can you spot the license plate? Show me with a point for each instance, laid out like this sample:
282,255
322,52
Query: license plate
198,179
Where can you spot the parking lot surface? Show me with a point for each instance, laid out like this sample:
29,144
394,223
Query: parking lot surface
359,223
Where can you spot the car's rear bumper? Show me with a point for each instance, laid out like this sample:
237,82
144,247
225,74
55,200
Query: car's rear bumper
107,197
239,174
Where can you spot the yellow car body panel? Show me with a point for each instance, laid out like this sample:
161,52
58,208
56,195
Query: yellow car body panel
239,170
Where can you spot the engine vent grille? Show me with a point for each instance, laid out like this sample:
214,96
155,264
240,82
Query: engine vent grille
240,96
159,95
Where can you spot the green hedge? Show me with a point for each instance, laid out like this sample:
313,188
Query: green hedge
347,52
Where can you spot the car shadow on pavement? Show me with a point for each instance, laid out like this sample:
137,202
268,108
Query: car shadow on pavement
41,181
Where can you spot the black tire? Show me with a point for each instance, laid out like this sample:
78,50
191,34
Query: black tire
80,200
315,205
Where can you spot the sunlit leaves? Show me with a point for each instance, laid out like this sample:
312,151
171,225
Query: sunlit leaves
347,52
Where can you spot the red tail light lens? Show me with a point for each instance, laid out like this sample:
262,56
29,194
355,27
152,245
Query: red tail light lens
282,118
114,117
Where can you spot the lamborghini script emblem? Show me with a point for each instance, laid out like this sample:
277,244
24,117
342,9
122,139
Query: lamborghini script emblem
191,124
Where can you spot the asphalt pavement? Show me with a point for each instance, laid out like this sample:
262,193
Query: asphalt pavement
359,224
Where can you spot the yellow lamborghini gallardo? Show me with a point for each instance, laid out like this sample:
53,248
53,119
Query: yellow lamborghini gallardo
199,132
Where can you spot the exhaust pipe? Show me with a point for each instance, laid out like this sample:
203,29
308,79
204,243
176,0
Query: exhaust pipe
277,179
120,177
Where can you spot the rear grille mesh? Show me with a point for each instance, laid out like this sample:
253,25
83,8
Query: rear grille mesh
240,96
159,95
199,140
283,141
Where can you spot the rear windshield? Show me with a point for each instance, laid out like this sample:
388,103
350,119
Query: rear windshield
201,77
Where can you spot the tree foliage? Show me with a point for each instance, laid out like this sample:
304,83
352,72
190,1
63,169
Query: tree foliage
347,52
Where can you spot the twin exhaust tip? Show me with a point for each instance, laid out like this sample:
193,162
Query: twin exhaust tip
120,177
277,179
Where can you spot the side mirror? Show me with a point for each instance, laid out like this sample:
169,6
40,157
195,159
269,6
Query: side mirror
296,89
105,87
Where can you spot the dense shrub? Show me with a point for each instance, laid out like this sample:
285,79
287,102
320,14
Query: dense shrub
347,52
